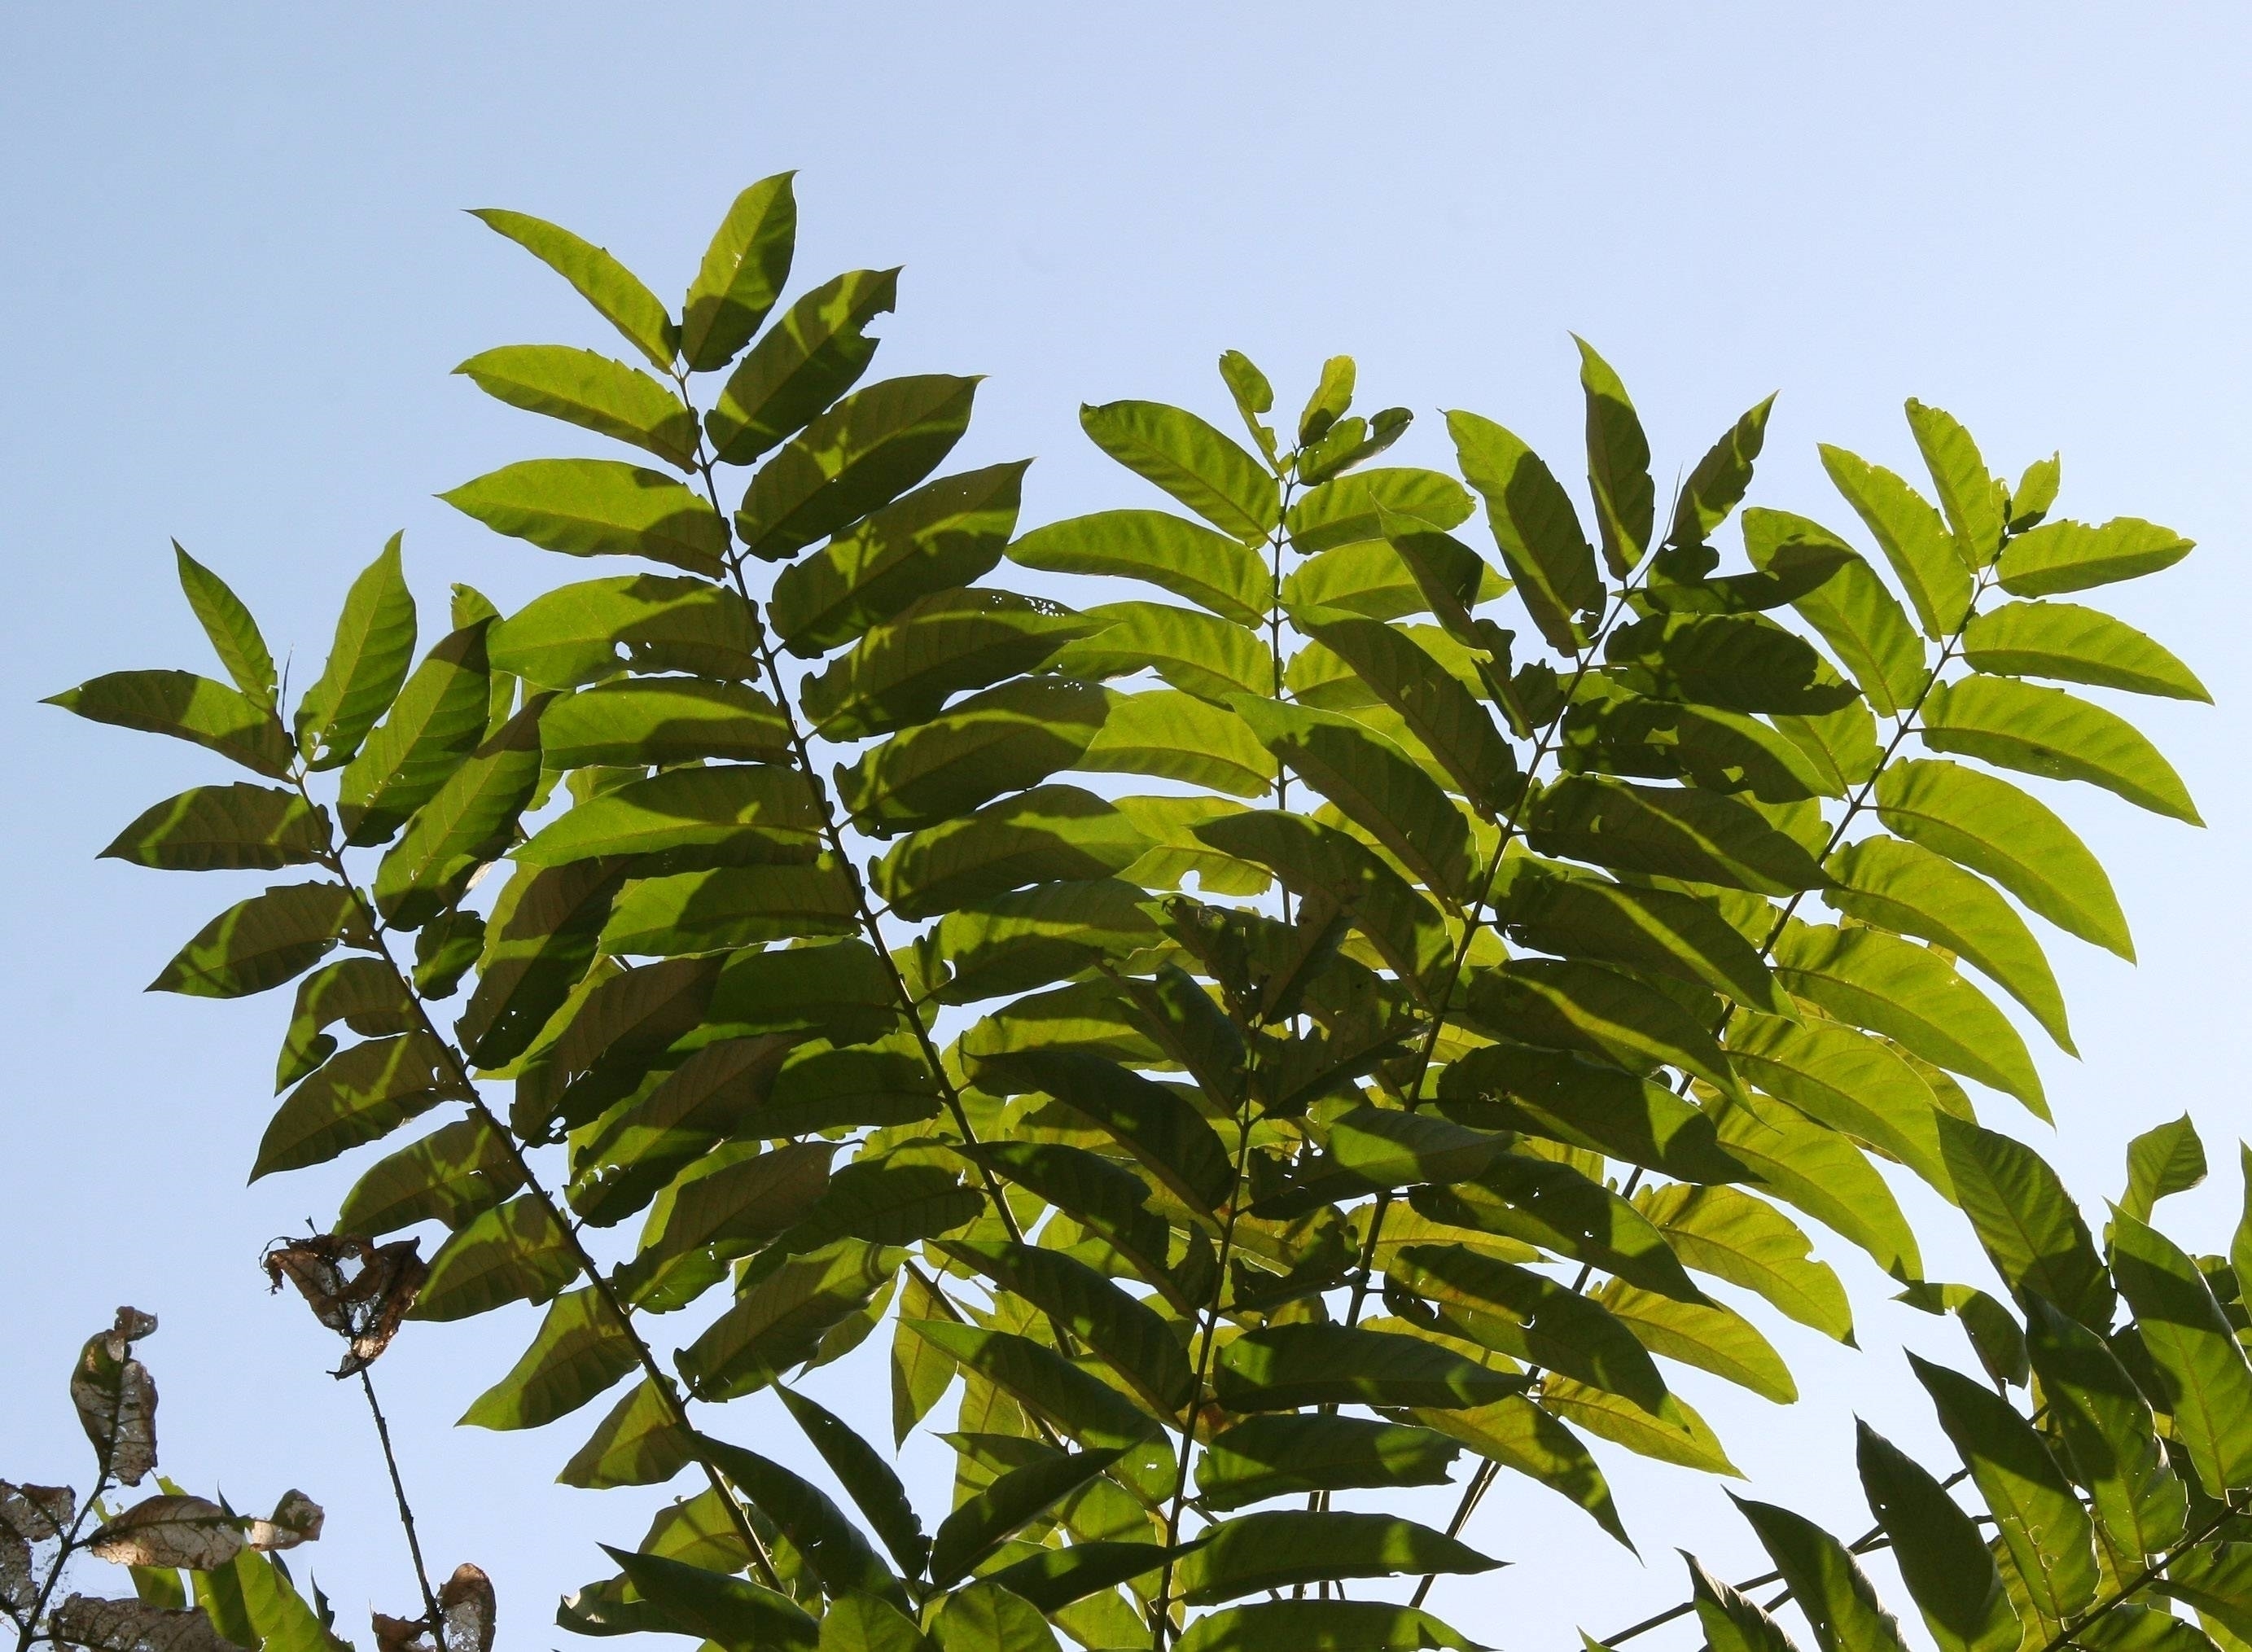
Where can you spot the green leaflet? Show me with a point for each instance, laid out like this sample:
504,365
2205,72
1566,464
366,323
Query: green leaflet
2139,1503
1082,1405
2054,734
1877,981
1052,1579
2042,1524
904,669
1131,1339
1654,931
1209,569
868,1477
466,824
1561,1004
638,1443
1435,705
224,828
1349,510
985,1617
1287,1367
601,280
730,906
1535,525
1049,833
1332,395
1108,1201
1941,1555
579,1354
1555,1206
1908,889
1992,827
253,1602
187,707
1743,662
1852,610
1176,736
1027,938
1277,1548
588,389
1375,579
1285,1454
1959,477
1192,461
813,354
756,812
1567,1099
1375,783
743,273
363,1094
1197,653
2073,644
1333,1625
374,644
2164,1160
839,989
364,992
1673,1433
598,507
1731,1622
1153,1123
538,944
234,633
1821,1172
1610,728
2028,1224
1706,1335
982,1524
1720,479
1005,738
458,1171
1914,540
1829,1587
816,1528
1747,1241
780,1320
512,1251
1618,465
2200,1368
261,942
437,720
2217,1581
633,722
1518,1434
860,454
1670,832
733,1613
586,632
2072,556
1847,1080
729,1201
1533,1318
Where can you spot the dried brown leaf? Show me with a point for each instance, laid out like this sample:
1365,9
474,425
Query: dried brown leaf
117,1398
19,1590
357,1288
134,1626
466,1603
36,1513
401,1635
169,1530
296,1519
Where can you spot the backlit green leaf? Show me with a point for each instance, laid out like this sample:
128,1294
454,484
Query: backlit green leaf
1853,611
188,708
1941,1555
1209,569
861,455
1914,540
1565,1098
639,1443
601,280
1533,520
437,720
588,389
1745,1240
1840,1605
509,1253
1175,736
2140,1505
1959,477
1334,1625
742,273
1279,1547
261,942
224,828
1533,1318
1000,740
1049,833
1822,1173
1618,465
1706,1335
1720,479
2073,556
459,1170
2074,644
2056,735
227,622
1192,461
1561,1004
780,1320
1671,832
467,823
1846,1079
813,354
598,507
979,1526
1349,510
1286,1367
596,628
2200,1368
1439,709
2026,1221
1518,1435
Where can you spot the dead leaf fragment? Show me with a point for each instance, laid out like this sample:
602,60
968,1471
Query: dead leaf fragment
169,1530
117,1398
296,1519
401,1635
36,1513
134,1626
19,1590
467,1604
357,1288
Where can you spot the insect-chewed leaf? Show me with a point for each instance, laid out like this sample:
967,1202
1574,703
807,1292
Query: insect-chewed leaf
466,824
1854,612
588,389
780,1320
1848,1081
1912,536
1829,1587
601,280
359,1096
1002,739
1992,827
1279,1547
1029,937
1533,522
1561,1004
598,507
234,635
2039,1517
1152,1122
2028,1224
1049,833
637,721
261,942
2140,1505
117,1398
743,273
1747,1241
2074,644
1824,1174
732,1610
170,1530
2200,1368
1656,931
374,645
1720,479
457,1172
187,707
224,828
2056,735
1373,782
1286,1453
1287,1367
579,1353
1870,979
1941,1555
1339,1625
1563,1098
584,633
540,939
1672,832
859,456
905,668
1208,569
2072,556
1191,461
437,720
813,354
1531,1317
509,1253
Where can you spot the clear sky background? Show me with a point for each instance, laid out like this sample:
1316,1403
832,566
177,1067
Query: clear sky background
234,277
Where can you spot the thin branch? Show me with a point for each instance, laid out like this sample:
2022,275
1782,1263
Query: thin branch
436,1619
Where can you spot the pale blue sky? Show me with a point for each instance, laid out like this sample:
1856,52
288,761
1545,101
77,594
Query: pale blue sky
234,279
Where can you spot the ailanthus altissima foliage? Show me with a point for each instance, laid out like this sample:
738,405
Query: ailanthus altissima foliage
1310,1008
